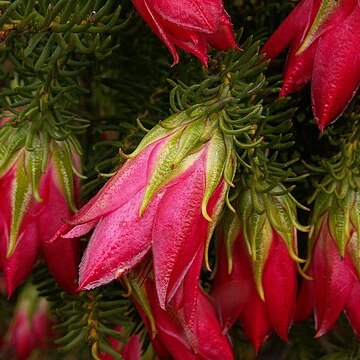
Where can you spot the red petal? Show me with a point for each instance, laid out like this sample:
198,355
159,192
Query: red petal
352,309
333,281
298,69
223,38
174,234
280,287
202,16
155,24
232,291
209,328
306,301
255,320
128,181
293,27
336,75
119,242
19,265
61,255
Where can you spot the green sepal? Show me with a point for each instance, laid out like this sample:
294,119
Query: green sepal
190,140
163,170
230,162
326,9
263,242
231,230
163,129
322,204
139,293
21,197
216,215
64,169
339,221
12,140
215,162
355,211
34,165
281,213
257,235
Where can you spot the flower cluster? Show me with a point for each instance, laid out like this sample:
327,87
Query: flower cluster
215,166
323,38
38,190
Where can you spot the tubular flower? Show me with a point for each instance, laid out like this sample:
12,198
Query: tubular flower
333,263
37,190
256,274
188,24
324,38
30,328
165,200
172,334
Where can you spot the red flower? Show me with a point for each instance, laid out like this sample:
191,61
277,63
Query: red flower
31,210
256,276
189,24
238,296
324,37
159,202
173,335
30,328
335,286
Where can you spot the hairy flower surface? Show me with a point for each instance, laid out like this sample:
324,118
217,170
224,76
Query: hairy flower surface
191,25
164,201
324,39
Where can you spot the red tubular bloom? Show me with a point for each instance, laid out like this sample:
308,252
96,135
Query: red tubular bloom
238,298
28,220
324,41
30,328
334,260
172,336
189,24
335,285
256,278
159,202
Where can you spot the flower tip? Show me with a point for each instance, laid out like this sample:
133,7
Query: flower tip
321,125
175,58
322,329
283,92
10,287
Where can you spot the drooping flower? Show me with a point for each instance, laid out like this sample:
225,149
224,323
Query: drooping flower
173,334
333,263
165,200
189,24
30,329
256,274
37,190
324,39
